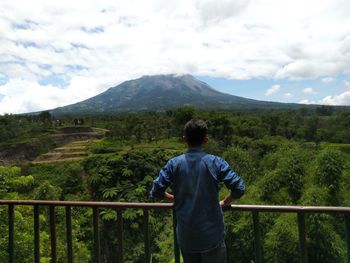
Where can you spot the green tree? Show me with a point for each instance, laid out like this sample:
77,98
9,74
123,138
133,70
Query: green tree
46,191
241,162
281,242
45,117
183,115
329,168
311,128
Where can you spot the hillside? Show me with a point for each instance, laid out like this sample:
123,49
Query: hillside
162,92
74,144
285,158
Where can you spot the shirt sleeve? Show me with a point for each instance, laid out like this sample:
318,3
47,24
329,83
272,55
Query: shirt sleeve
162,182
230,178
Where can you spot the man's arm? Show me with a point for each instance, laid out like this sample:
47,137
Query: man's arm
162,183
232,181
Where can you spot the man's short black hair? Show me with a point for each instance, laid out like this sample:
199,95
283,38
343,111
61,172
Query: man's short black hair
195,132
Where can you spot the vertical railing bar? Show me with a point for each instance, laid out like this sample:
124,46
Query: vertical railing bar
97,249
347,227
53,233
257,237
69,234
176,245
146,236
120,257
36,235
11,233
302,238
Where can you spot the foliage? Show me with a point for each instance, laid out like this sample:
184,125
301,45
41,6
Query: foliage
330,165
125,177
286,157
241,162
13,185
281,243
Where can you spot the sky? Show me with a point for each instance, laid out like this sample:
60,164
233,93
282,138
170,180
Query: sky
54,53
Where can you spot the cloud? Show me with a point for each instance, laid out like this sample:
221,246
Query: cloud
327,79
273,90
305,101
310,69
214,11
288,95
347,84
51,45
308,90
341,99
18,94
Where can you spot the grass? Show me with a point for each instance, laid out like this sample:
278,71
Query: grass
339,146
113,146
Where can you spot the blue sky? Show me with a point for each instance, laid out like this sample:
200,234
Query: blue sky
57,53
290,90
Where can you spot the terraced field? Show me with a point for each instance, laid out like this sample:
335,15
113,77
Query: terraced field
75,148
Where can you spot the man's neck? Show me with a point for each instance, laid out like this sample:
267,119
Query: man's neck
194,148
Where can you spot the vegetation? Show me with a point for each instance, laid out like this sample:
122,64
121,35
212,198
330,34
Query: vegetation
286,157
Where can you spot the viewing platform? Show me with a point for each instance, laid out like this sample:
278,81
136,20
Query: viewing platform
300,212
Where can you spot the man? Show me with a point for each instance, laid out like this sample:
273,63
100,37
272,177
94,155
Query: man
194,177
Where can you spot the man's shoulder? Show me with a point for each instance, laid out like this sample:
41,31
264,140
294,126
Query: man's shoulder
212,157
176,159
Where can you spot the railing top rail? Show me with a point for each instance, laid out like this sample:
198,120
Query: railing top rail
290,209
121,205
89,204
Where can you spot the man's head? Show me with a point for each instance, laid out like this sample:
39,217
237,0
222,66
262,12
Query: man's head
196,133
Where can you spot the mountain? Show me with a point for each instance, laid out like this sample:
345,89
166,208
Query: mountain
161,92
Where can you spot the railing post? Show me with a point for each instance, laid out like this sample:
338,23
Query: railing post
146,236
11,233
97,250
120,257
302,238
347,227
36,235
257,238
53,233
176,245
69,234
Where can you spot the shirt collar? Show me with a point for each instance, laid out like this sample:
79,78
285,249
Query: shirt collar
194,149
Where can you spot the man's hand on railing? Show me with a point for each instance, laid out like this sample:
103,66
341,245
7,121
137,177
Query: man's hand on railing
169,198
226,201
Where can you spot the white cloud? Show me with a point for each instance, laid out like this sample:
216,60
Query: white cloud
327,79
288,95
28,96
306,101
341,99
106,42
347,84
273,90
308,90
213,11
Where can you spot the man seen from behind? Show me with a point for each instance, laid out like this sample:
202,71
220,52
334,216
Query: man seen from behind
194,178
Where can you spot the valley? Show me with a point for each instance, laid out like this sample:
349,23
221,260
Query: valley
285,158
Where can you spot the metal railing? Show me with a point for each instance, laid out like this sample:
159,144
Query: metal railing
120,206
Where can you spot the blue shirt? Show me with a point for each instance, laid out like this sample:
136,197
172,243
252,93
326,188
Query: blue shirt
194,177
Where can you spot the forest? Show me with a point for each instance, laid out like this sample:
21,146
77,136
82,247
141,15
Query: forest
286,157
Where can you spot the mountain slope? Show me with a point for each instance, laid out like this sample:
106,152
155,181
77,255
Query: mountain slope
161,92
